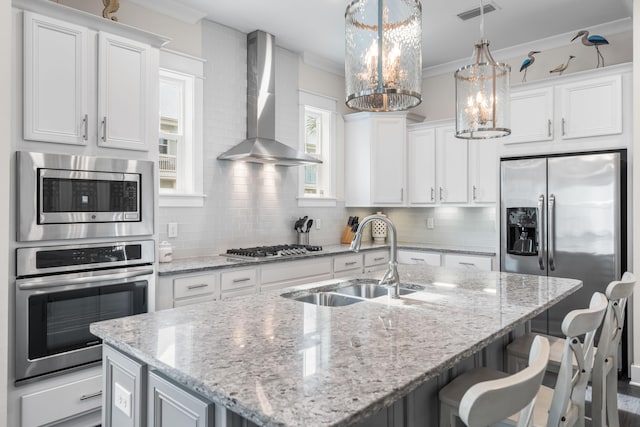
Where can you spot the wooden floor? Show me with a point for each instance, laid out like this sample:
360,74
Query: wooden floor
628,405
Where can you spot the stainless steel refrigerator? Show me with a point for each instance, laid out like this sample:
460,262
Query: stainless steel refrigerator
564,216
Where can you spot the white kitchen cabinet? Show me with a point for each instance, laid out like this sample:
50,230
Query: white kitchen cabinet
375,158
169,405
583,107
125,92
288,273
591,107
418,257
531,115
347,265
55,80
62,402
453,167
195,288
376,260
123,389
421,166
238,282
443,169
468,262
83,85
483,171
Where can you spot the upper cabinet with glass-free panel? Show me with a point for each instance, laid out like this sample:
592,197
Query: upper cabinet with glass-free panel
588,104
84,85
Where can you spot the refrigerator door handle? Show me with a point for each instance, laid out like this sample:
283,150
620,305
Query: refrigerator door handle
541,232
552,231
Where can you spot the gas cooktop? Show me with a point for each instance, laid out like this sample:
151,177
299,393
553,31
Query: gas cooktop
277,251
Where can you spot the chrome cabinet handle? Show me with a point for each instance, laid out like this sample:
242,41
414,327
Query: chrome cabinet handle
351,263
540,231
85,124
563,125
402,194
244,279
201,285
470,264
552,231
441,194
417,259
549,128
379,259
433,194
91,395
104,128
474,192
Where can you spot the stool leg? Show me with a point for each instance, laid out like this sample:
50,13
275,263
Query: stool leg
612,393
598,397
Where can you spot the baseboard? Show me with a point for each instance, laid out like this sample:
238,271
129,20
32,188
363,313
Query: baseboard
635,375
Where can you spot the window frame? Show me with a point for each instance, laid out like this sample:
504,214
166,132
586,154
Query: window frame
327,107
188,69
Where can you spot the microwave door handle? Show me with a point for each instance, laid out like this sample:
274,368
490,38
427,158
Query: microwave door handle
552,232
82,278
541,231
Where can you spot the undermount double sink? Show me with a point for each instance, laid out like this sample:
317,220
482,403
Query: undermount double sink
346,293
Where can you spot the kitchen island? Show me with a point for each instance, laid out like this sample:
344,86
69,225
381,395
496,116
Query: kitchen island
277,361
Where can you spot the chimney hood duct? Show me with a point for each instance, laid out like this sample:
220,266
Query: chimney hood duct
261,145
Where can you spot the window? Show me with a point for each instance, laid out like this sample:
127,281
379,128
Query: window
180,133
318,138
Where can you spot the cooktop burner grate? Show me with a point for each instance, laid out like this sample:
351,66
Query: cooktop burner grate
260,252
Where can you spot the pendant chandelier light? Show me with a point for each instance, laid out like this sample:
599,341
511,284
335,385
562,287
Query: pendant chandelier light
482,94
383,54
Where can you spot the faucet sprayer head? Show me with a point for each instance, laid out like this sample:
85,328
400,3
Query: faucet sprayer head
355,243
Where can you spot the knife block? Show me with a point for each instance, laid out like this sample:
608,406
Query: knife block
347,235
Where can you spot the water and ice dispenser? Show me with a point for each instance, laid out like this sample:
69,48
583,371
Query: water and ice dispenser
522,235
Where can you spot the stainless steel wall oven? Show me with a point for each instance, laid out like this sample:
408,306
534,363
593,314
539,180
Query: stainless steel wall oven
73,197
60,290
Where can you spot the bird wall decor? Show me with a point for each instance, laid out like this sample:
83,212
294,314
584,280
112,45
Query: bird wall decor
594,40
560,68
527,63
110,6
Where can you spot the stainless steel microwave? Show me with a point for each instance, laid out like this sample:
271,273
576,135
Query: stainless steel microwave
74,197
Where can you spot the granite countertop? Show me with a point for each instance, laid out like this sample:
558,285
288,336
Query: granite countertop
194,264
277,361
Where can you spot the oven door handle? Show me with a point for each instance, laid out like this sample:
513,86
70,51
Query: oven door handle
82,278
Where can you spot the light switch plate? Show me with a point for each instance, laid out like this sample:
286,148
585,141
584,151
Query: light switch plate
122,399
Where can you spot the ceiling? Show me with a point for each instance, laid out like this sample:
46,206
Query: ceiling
316,27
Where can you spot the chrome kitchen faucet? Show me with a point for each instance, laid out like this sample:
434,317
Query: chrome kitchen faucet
391,278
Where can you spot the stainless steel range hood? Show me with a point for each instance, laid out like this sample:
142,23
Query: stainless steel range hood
261,145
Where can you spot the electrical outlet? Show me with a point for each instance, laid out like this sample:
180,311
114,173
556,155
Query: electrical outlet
430,223
172,229
317,223
122,399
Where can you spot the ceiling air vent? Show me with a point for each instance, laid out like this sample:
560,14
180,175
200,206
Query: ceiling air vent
472,13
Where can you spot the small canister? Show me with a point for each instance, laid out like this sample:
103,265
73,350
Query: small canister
378,230
165,252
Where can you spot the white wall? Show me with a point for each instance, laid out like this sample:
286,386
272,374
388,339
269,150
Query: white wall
5,185
635,367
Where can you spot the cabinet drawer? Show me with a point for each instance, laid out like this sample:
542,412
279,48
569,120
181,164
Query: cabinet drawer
418,257
171,405
376,258
68,400
347,262
469,262
238,279
193,300
194,285
295,272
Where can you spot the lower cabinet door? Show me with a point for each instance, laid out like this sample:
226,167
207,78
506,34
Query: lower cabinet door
169,405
